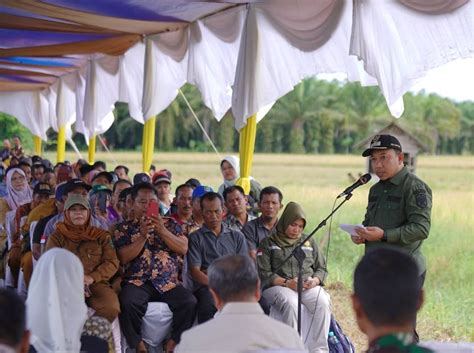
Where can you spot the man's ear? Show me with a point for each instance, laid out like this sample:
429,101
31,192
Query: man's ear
355,305
401,157
421,300
281,206
258,293
25,342
217,300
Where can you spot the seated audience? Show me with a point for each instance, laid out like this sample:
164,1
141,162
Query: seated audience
93,246
230,169
193,182
236,205
73,187
162,182
211,241
14,337
256,230
184,209
18,194
25,165
37,171
20,235
49,177
241,325
280,287
38,241
151,255
122,172
198,192
100,198
387,295
114,211
57,312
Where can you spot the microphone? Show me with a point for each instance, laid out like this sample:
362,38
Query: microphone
362,180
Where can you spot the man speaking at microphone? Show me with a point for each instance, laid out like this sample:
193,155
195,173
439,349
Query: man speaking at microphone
399,209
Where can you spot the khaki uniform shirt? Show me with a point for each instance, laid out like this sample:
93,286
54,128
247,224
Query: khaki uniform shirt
97,256
270,256
401,206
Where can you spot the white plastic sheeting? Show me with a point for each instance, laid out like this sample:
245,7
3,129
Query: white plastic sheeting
30,108
247,57
398,45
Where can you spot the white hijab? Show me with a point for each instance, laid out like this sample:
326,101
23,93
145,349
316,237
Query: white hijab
17,198
55,307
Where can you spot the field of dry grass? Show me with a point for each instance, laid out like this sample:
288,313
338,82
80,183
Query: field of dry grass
315,180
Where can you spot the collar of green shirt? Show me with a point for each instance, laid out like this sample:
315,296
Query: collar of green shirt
398,178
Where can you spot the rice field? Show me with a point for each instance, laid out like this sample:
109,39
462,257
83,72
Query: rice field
315,180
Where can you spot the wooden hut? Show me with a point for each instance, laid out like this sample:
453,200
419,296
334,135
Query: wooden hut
411,146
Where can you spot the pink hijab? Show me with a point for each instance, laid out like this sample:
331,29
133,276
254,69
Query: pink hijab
17,198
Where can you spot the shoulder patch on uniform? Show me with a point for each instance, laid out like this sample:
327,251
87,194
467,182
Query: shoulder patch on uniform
421,199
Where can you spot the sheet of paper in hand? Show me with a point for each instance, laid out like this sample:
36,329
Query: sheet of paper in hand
351,228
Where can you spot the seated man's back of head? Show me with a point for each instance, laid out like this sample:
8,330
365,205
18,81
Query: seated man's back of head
13,334
387,294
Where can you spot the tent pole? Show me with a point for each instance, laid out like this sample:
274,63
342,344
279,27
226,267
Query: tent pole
148,143
246,151
61,148
37,144
91,155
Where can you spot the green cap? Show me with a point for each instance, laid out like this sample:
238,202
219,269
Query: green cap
76,200
99,188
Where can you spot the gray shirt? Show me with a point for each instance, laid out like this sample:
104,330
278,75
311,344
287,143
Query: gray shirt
205,247
254,232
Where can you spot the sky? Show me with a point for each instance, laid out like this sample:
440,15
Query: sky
453,80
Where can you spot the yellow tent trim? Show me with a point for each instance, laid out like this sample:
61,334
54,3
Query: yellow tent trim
37,145
246,151
91,155
148,144
61,148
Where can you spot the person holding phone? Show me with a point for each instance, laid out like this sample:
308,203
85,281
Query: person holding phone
151,251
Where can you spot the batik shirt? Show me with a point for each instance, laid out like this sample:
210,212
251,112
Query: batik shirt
396,343
156,262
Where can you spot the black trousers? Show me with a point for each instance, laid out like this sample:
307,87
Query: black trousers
206,308
416,337
134,303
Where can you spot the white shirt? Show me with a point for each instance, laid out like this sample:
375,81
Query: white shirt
240,327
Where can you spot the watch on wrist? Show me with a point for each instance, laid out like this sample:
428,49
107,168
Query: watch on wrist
384,237
285,283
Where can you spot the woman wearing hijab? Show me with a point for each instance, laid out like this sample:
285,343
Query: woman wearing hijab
230,169
18,193
56,310
94,248
280,288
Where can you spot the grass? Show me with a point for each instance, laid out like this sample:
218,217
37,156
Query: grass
314,181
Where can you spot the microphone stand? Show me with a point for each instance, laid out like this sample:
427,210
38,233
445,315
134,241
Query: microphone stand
300,256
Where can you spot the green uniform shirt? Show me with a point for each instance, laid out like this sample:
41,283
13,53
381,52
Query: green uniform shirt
270,256
396,343
401,206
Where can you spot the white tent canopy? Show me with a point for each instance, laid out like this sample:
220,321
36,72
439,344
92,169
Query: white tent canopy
242,57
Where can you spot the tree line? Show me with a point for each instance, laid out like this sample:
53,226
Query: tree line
316,117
